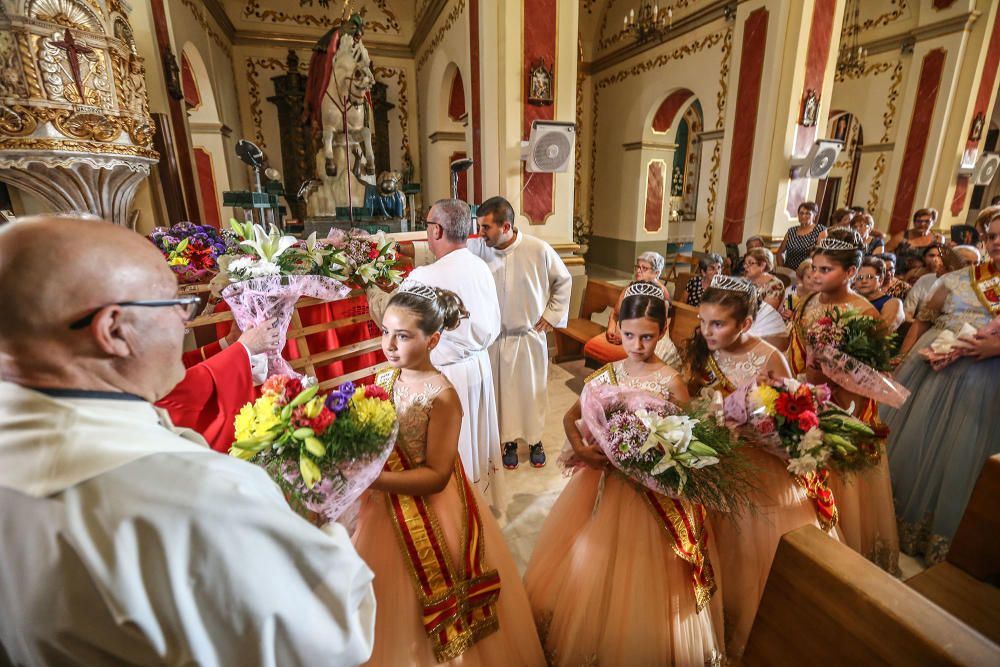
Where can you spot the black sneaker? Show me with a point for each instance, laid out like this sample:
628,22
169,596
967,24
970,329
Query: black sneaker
510,455
536,455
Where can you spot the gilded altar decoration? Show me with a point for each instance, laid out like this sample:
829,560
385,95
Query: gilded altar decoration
73,101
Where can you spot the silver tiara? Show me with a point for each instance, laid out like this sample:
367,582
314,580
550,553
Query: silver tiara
418,289
835,244
731,284
643,289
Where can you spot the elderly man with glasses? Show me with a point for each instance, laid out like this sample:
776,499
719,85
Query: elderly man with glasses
135,543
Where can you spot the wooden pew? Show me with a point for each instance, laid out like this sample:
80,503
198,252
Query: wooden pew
826,605
683,324
965,584
570,339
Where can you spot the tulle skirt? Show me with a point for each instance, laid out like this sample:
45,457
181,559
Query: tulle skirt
939,441
867,517
399,634
748,542
607,588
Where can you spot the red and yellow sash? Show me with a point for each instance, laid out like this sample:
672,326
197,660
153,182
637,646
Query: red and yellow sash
986,283
459,604
797,353
815,484
685,522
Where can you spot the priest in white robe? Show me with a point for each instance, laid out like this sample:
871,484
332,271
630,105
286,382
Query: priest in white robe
533,288
128,541
462,355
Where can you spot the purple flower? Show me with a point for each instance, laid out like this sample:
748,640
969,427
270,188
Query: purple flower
336,403
347,389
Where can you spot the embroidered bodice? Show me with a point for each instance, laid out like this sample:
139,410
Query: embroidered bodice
962,305
657,382
413,407
739,368
816,309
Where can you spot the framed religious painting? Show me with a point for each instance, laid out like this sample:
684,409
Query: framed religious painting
540,84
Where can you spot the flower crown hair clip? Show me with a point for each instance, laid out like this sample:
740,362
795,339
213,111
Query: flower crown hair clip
418,289
731,284
836,244
643,289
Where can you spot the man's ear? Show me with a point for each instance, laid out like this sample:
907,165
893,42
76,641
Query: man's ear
109,331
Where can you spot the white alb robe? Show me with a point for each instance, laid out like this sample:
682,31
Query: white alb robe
462,357
532,284
136,544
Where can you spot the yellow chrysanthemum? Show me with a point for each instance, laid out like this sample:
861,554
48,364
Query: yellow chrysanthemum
178,261
376,414
767,396
266,414
245,421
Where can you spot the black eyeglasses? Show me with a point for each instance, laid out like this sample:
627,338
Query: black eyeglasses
190,305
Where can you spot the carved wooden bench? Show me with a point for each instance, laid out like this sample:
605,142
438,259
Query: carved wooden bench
597,296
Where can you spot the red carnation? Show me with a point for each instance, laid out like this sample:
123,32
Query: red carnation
825,321
373,252
375,391
293,388
808,420
790,407
322,421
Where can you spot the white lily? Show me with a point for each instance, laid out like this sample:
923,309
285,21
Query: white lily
668,462
672,432
317,252
367,272
269,245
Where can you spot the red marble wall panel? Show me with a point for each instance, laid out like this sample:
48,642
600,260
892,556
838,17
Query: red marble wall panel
668,109
931,70
477,130
747,102
987,84
654,196
206,181
456,100
817,57
961,190
537,200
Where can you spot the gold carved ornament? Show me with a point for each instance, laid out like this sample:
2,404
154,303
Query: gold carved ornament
453,15
253,9
47,144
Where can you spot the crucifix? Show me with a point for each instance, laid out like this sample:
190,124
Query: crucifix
73,53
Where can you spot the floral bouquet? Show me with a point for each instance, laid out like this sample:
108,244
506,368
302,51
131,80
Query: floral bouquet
947,347
322,450
689,456
854,352
191,250
797,422
365,259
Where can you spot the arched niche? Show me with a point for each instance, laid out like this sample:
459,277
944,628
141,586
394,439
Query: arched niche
843,187
207,134
446,131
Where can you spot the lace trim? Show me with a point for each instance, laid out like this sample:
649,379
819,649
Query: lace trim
916,539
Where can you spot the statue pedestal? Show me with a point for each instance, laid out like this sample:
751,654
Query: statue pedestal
322,224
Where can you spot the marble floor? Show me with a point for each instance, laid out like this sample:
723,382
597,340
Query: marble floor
532,491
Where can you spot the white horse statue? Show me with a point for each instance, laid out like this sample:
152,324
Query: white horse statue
344,102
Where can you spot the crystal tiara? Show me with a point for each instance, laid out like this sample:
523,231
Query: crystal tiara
643,288
731,284
835,244
418,289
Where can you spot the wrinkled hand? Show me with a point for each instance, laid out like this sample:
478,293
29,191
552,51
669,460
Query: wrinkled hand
261,338
613,338
592,456
978,347
543,326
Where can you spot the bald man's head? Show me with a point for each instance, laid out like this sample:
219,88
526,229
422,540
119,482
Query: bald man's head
56,270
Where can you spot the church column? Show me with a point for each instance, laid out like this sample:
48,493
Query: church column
784,57
514,37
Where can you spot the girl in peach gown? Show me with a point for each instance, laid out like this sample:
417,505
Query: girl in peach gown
723,357
606,586
446,586
864,500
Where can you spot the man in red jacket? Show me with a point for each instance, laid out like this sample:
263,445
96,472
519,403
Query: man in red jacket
219,381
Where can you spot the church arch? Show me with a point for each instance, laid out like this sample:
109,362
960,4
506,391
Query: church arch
207,134
447,129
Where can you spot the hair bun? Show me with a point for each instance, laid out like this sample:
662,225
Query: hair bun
453,311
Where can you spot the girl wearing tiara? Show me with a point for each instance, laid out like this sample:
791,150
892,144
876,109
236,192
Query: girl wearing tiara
605,583
723,356
864,499
446,584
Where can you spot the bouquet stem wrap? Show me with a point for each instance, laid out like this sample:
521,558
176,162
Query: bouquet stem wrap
860,378
256,300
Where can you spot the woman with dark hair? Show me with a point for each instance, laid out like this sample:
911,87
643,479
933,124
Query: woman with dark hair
923,285
893,285
919,236
864,225
841,218
800,240
870,283
943,434
708,267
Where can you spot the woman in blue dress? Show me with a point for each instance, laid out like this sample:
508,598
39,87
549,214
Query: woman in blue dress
944,433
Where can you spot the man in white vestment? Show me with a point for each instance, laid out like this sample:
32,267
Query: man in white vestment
126,540
462,354
533,287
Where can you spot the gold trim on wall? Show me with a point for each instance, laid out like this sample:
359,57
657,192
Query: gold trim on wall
252,10
426,52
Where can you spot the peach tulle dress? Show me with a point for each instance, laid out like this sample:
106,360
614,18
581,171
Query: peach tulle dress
399,633
748,542
605,584
864,500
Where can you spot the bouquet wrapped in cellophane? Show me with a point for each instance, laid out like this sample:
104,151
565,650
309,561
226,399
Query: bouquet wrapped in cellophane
855,352
798,423
191,250
322,450
690,456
